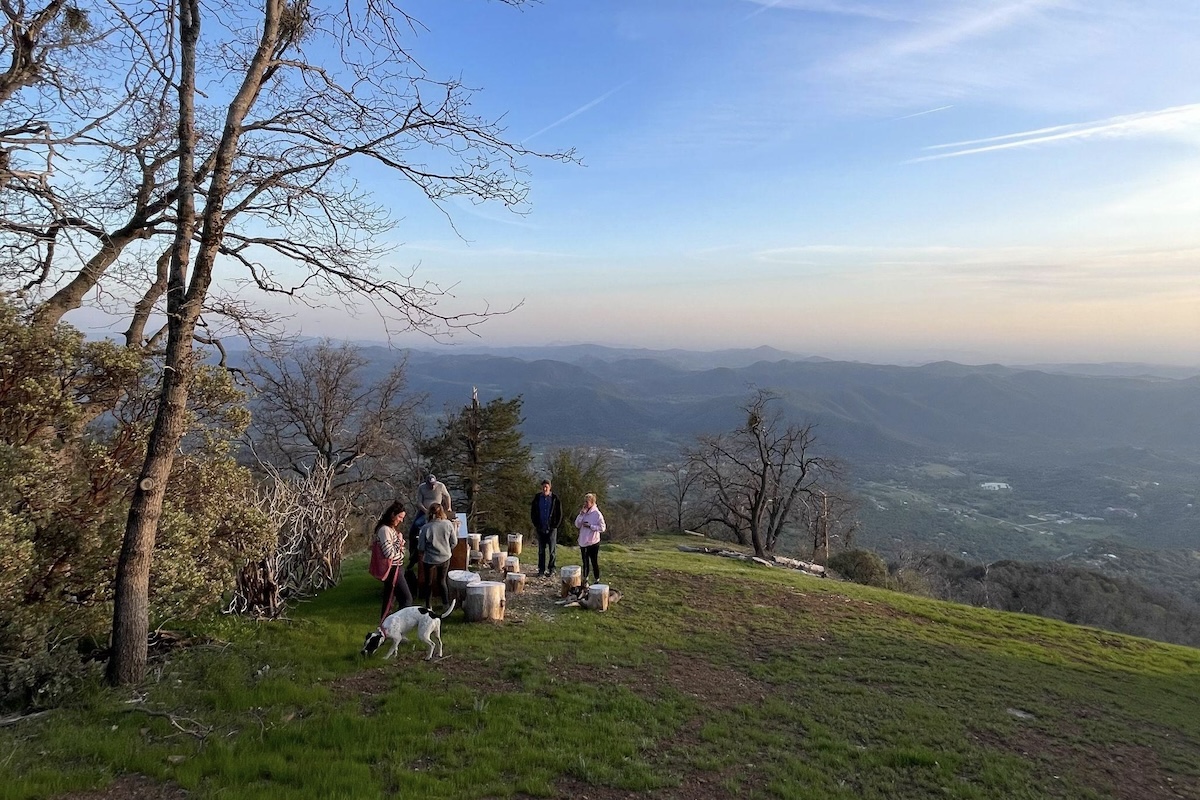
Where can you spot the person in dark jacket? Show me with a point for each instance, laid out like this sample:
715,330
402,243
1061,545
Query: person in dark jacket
545,512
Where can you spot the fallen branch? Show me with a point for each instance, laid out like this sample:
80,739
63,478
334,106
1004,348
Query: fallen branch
6,721
197,730
777,561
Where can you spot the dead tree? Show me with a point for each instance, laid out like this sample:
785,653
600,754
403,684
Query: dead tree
313,405
830,516
757,476
310,521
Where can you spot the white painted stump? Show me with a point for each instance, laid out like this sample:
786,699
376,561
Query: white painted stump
512,564
514,582
572,576
457,581
495,543
598,597
485,602
514,544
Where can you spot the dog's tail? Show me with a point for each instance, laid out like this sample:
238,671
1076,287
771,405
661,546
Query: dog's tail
449,608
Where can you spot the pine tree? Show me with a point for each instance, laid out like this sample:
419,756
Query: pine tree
480,454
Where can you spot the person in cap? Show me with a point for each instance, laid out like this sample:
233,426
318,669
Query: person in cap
432,491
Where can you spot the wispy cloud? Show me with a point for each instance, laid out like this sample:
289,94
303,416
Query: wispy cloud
948,50
767,6
923,113
880,11
1174,121
588,106
940,35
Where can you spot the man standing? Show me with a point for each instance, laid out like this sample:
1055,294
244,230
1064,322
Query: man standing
430,492
545,512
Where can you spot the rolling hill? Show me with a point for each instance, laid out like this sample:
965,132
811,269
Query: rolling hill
710,679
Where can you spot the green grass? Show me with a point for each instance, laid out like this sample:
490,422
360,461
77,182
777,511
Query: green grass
710,677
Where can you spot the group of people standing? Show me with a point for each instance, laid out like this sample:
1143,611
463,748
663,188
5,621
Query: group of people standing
428,543
432,536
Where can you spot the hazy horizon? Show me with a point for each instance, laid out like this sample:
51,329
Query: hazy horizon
880,356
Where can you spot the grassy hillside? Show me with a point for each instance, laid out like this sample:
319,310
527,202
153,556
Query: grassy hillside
709,679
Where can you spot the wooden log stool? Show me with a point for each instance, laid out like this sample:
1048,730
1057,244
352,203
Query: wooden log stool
485,602
514,544
494,546
512,564
485,550
598,597
514,583
498,560
572,576
457,581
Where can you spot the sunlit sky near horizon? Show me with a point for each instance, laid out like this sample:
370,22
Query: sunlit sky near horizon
981,180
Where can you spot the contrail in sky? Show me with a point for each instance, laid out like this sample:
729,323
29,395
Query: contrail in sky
923,113
1162,122
585,107
761,9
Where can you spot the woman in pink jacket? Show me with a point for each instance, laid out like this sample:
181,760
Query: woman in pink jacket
591,524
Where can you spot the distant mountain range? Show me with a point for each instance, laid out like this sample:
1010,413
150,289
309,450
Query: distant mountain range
652,400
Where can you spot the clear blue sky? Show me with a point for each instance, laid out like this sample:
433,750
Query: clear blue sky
985,180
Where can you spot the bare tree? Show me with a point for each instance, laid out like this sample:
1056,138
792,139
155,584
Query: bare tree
758,476
317,409
830,515
681,491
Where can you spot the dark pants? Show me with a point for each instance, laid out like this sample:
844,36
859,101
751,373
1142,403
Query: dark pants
547,542
414,531
413,570
435,578
591,553
395,587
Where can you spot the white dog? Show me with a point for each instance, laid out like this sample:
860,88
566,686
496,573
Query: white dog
427,624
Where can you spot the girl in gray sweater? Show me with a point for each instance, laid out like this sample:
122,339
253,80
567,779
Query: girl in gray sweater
435,543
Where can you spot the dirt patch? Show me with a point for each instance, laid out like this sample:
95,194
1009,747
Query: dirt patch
367,686
131,787
695,786
711,594
713,686
1123,771
536,602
